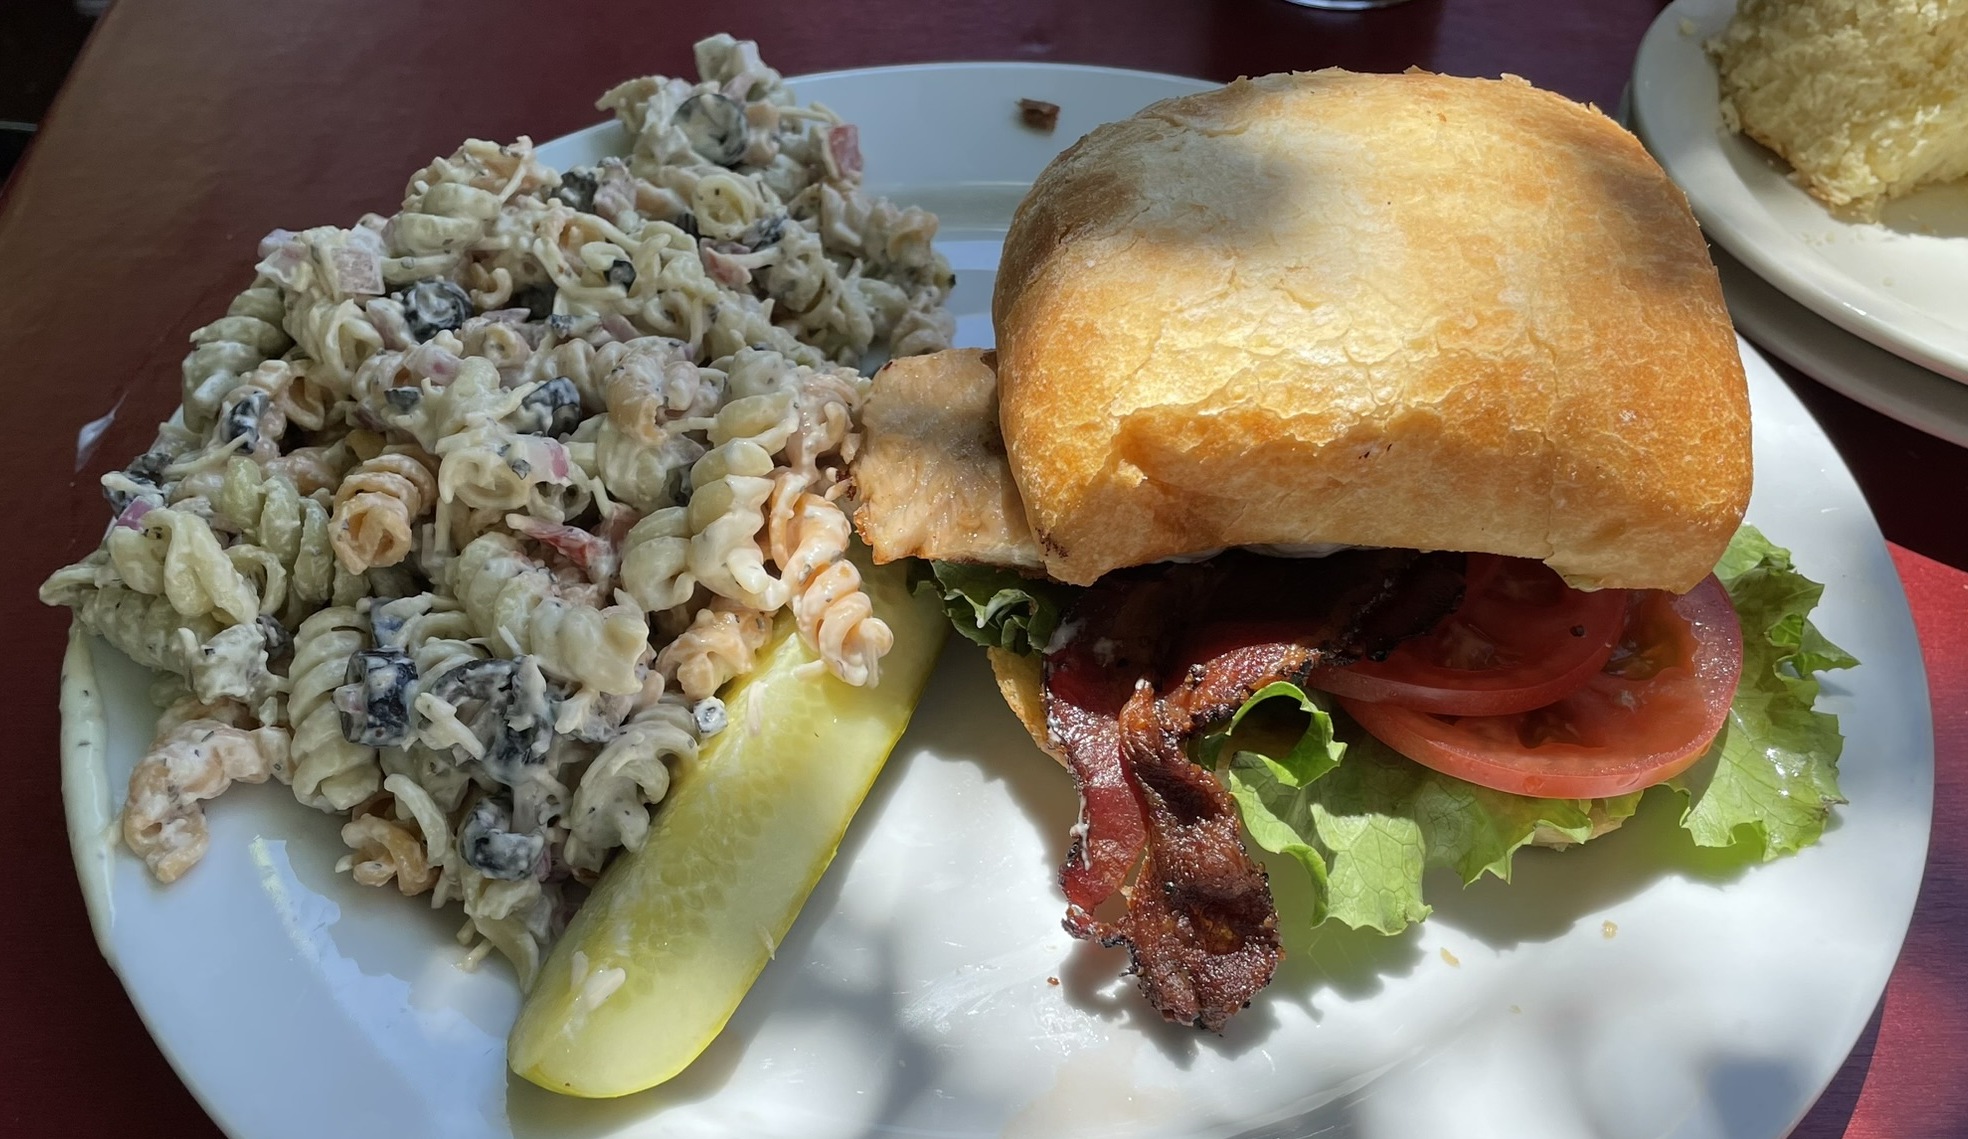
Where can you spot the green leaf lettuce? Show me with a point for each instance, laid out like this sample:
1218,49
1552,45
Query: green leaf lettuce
996,607
1772,774
1365,823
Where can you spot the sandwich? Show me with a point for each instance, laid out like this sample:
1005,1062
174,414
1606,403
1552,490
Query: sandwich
1359,473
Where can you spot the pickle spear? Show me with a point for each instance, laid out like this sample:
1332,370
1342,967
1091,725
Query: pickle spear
656,961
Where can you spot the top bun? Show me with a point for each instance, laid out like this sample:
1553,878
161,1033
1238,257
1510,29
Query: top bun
1378,310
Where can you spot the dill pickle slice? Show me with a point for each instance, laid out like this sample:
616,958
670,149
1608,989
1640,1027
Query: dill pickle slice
745,833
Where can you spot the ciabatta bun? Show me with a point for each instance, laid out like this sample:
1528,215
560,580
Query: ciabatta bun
1379,310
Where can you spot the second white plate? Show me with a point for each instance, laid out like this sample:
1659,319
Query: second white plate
1896,388
1901,283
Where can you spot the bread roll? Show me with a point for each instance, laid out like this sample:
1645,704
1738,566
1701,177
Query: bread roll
1379,310
1022,684
931,473
1867,99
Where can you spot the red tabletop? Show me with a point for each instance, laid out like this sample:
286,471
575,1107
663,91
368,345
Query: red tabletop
191,127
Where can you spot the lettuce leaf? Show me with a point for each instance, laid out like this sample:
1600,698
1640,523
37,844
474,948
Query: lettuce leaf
996,607
1772,775
1365,822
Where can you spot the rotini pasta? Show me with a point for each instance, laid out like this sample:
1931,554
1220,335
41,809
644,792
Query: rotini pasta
229,347
647,476
216,662
473,509
489,466
190,762
835,618
331,772
376,508
429,412
654,387
655,560
328,276
174,553
388,849
611,803
512,600
263,508
730,485
721,643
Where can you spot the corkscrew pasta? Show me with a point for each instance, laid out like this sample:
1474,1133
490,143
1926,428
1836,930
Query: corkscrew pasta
471,510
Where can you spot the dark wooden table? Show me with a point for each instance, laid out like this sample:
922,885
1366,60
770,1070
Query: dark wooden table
191,127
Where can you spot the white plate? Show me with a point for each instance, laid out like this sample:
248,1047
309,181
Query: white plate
1897,388
916,995
1901,283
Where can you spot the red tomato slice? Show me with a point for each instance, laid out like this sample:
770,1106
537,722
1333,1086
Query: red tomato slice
1645,717
1520,639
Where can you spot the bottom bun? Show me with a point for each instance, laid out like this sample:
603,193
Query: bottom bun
1023,687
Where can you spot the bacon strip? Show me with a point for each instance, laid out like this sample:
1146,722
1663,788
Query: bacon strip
1200,926
1088,681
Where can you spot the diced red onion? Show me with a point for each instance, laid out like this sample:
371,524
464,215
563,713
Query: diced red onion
286,265
133,514
557,464
433,362
618,326
723,268
358,271
387,316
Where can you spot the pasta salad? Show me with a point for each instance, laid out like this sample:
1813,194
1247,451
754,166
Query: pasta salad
470,511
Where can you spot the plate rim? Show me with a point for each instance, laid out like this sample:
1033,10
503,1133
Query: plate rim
1738,222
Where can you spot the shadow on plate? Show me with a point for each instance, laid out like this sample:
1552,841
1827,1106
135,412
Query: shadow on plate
1551,890
1932,211
989,738
1552,893
1332,959
1832,1114
871,1006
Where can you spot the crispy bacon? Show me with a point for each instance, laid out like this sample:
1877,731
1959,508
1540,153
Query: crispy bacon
1162,653
1120,638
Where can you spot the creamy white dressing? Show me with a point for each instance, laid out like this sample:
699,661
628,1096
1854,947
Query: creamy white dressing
86,794
1062,636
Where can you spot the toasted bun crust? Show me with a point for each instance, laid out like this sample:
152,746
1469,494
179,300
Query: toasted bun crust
1380,310
1022,685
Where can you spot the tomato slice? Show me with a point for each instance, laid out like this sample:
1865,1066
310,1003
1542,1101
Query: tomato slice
1647,715
1520,639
